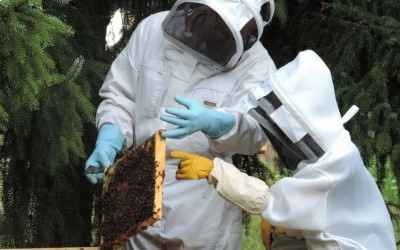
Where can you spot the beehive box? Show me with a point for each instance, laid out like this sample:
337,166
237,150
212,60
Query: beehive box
132,192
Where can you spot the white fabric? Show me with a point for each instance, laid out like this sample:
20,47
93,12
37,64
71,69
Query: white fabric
334,201
255,6
247,192
194,215
289,124
305,88
350,113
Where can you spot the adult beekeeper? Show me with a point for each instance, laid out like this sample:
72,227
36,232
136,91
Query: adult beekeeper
209,52
331,201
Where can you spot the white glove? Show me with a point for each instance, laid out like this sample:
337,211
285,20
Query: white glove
249,193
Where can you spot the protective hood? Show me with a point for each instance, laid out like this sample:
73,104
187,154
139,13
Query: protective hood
297,108
220,30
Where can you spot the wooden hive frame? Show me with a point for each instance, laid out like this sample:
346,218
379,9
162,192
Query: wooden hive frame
117,195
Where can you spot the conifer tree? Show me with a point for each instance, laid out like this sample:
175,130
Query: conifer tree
42,113
359,40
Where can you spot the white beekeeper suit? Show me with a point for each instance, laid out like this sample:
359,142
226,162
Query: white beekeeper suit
160,61
331,198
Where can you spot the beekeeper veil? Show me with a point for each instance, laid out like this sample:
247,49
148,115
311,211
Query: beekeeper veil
298,111
218,30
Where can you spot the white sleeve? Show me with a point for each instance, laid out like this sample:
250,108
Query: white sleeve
247,192
119,90
246,137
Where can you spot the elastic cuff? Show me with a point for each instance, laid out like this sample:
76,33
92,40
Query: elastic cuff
229,133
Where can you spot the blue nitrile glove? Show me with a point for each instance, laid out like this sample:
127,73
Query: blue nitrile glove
196,118
109,142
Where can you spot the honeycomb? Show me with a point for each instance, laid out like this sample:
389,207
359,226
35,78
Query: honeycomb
132,192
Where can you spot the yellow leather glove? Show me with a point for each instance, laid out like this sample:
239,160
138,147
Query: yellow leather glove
192,166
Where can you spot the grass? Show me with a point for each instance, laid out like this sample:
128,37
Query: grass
252,240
